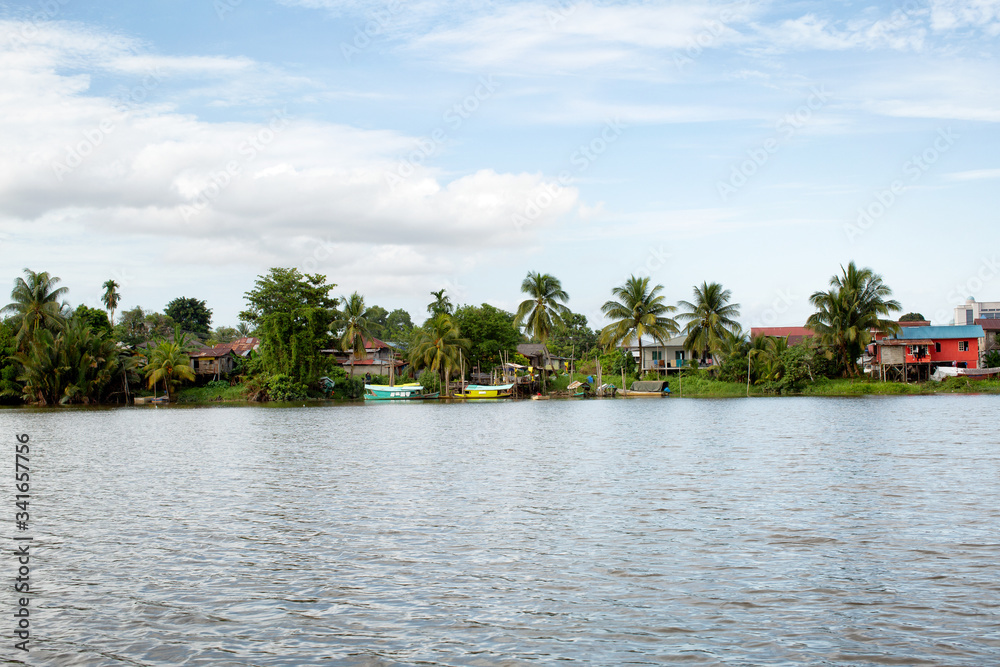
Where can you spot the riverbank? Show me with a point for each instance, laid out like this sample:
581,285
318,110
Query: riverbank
689,386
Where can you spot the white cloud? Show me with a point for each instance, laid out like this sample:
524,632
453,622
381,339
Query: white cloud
232,192
949,15
974,175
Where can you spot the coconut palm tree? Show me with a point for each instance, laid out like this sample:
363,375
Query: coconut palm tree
438,346
243,329
856,304
168,363
111,298
638,311
441,305
545,307
354,325
35,305
710,317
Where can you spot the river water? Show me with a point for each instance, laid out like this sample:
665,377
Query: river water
618,532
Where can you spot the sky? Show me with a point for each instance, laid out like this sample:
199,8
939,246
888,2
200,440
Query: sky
182,148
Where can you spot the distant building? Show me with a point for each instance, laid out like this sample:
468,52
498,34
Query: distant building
989,342
220,360
664,357
794,335
379,358
973,310
538,356
915,352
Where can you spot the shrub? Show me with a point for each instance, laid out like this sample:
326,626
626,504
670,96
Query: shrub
430,381
283,388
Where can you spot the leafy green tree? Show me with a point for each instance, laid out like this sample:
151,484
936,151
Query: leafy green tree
378,319
491,331
73,366
35,305
441,305
159,325
96,319
572,337
291,314
131,329
191,314
286,291
437,347
709,318
545,307
10,388
110,299
398,325
170,364
354,326
856,304
638,311
912,317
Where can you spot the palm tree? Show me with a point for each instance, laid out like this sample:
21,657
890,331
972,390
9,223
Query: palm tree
170,364
846,315
709,319
438,346
637,312
74,366
441,305
111,298
34,305
357,330
545,309
243,329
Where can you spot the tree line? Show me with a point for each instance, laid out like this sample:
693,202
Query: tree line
52,354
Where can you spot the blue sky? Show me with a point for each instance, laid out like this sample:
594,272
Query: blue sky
183,148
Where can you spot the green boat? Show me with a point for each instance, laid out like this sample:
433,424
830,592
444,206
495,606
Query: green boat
399,392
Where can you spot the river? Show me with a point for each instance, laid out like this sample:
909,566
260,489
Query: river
760,531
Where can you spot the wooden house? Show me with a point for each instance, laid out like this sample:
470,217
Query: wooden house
538,356
220,361
379,358
915,352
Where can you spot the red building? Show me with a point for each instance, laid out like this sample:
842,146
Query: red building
794,335
915,352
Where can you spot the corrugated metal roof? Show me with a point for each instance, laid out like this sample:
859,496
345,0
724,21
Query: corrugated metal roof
961,331
781,332
989,325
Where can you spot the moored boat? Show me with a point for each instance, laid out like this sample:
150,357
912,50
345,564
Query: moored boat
647,388
486,391
399,392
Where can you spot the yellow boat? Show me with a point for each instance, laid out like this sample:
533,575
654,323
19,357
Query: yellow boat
486,391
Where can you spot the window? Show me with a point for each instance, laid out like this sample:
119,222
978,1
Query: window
937,347
657,355
968,317
963,346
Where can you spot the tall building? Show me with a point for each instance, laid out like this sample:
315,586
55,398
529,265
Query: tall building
973,310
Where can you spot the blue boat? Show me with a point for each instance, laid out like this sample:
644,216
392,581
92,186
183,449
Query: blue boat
399,392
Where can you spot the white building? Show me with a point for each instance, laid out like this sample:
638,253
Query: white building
973,310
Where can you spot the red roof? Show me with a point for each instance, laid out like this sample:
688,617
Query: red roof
989,325
794,334
375,344
238,347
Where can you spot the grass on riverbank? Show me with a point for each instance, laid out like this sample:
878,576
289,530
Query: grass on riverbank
214,392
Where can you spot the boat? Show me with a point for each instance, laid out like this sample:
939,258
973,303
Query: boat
647,388
486,391
579,389
399,392
540,397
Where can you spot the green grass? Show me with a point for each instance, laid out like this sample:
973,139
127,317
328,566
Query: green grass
211,394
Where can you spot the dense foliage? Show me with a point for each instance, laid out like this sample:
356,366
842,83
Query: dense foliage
191,314
490,332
